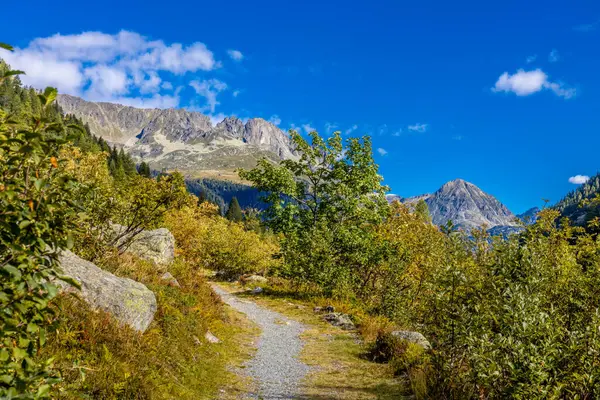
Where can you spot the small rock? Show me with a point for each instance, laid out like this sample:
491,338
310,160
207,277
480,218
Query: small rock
318,309
413,337
197,341
170,279
329,309
256,290
211,338
339,319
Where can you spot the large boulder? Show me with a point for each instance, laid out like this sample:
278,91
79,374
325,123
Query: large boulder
157,246
413,337
128,301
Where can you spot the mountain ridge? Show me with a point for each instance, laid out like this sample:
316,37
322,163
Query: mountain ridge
180,139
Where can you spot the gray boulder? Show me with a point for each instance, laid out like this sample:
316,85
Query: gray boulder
128,301
339,319
157,246
413,337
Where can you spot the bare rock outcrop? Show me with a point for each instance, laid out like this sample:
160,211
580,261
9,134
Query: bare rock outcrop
128,301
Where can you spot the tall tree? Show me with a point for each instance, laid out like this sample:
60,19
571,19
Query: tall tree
234,211
326,203
422,210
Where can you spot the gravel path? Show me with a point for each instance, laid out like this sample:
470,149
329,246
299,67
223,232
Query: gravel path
275,368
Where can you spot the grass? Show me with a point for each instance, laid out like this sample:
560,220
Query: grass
341,369
100,359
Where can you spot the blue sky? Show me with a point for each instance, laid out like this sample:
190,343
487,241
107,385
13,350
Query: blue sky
503,94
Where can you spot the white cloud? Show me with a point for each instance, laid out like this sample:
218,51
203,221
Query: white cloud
235,55
382,151
307,128
522,83
216,118
553,56
106,81
125,67
579,179
531,59
525,83
209,89
236,93
397,133
155,101
418,127
351,129
275,120
457,137
330,127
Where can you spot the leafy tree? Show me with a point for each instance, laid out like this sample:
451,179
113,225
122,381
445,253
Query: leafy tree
234,212
38,214
325,203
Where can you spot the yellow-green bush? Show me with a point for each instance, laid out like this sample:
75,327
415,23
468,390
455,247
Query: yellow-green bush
207,240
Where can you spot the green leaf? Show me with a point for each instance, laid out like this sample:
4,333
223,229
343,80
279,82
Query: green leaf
6,46
24,224
12,270
50,95
69,241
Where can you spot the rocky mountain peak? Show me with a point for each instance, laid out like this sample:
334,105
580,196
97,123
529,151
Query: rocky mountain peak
466,205
180,139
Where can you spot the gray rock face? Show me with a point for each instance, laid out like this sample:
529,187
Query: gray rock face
157,246
128,301
339,319
466,206
180,139
413,337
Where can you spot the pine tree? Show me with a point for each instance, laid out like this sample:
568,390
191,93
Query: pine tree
144,170
234,211
422,211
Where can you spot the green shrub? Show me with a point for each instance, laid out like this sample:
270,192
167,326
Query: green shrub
38,213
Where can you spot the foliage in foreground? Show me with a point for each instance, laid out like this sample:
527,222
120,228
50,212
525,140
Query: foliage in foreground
38,212
100,359
507,318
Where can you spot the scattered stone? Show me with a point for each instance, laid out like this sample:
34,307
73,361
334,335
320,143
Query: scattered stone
128,301
413,337
210,338
170,280
157,246
256,290
318,309
341,320
329,309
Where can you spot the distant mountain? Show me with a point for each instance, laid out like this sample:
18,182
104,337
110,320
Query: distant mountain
529,216
571,205
179,139
465,205
221,192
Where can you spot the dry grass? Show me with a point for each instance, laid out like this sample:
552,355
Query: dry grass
341,369
102,360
